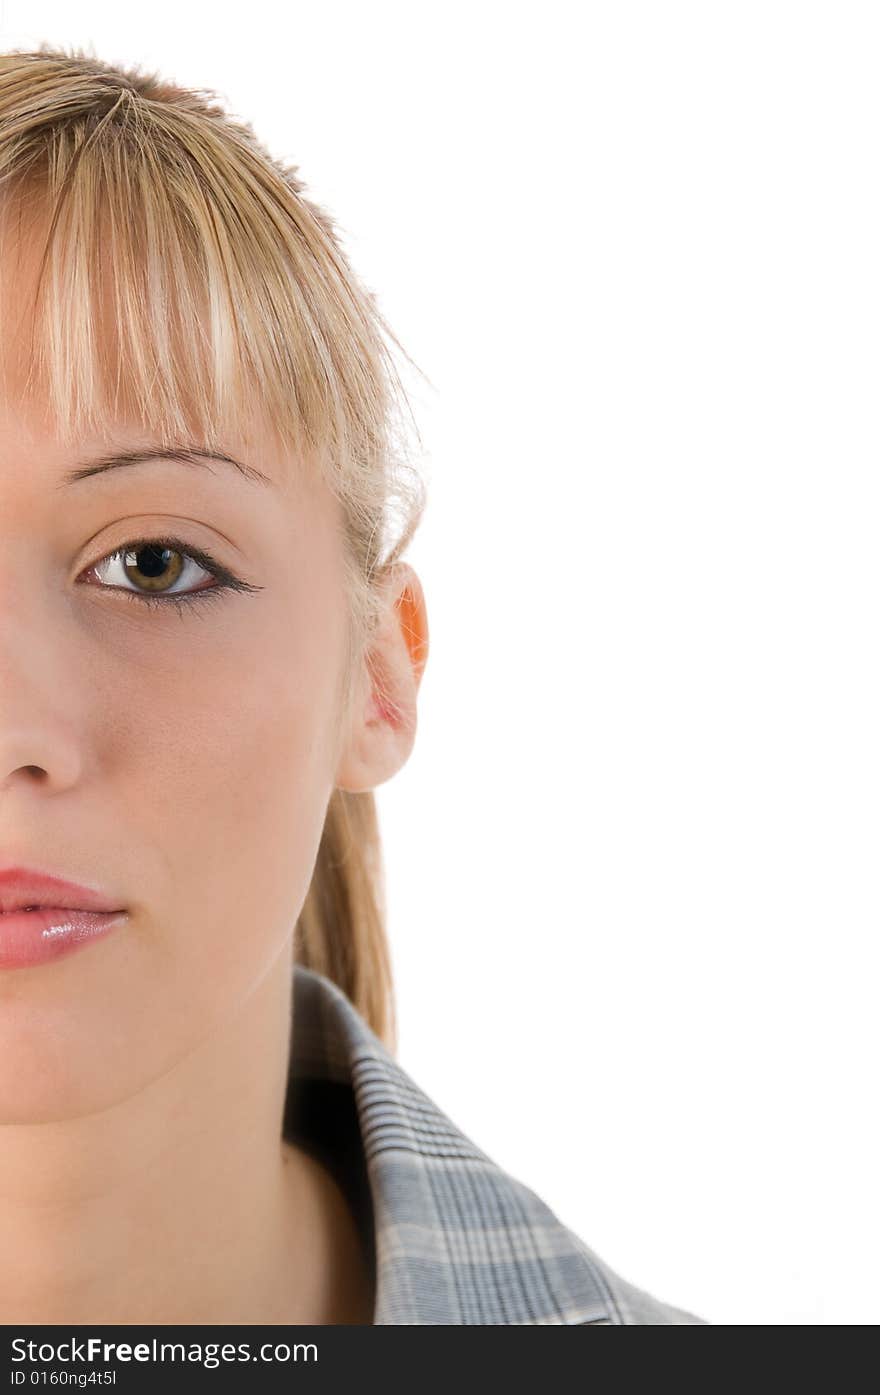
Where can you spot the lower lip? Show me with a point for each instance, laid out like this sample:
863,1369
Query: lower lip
50,932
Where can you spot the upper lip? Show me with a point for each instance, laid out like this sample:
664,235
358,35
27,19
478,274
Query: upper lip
20,887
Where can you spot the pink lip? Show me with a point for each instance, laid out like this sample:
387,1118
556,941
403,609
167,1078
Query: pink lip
63,917
33,937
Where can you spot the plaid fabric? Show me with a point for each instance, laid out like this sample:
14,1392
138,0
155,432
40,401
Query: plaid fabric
453,1237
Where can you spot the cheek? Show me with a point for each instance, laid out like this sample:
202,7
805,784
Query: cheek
256,810
235,791
208,761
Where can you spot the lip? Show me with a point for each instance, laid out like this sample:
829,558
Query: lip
35,937
63,917
21,887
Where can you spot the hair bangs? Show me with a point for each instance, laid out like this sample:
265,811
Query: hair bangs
170,290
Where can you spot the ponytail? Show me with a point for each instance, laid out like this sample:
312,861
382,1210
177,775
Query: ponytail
341,928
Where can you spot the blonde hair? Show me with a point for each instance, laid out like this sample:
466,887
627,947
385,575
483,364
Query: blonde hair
231,304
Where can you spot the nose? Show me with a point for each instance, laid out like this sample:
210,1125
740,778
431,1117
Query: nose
38,742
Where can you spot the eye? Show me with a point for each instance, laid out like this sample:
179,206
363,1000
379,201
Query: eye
158,569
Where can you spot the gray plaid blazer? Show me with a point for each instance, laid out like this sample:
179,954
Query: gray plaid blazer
452,1237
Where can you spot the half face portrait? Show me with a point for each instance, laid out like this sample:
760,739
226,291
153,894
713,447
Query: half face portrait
199,649
211,653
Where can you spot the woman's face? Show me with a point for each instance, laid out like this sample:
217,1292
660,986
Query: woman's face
179,759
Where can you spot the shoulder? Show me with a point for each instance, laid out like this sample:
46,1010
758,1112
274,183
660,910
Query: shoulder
457,1238
636,1306
630,1305
586,1290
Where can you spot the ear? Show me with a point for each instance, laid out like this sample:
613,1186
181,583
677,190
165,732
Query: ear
382,725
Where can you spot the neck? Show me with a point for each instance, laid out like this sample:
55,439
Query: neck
180,1204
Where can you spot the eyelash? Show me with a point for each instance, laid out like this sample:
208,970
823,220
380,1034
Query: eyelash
225,579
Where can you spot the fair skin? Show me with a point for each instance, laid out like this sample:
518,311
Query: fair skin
183,763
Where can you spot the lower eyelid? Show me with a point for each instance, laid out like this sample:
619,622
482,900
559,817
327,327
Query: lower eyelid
173,600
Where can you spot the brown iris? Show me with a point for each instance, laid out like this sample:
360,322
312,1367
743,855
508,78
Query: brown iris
152,563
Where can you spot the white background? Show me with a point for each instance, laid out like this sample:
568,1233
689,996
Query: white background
632,861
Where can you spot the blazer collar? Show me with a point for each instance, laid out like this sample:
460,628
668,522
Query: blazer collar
454,1238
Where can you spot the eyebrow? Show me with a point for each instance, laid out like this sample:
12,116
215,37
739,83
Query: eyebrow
184,455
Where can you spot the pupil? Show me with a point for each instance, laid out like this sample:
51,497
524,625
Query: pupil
156,560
